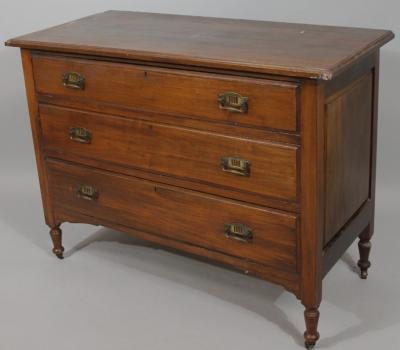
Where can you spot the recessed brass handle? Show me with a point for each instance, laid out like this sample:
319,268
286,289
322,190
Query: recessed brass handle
233,102
74,80
236,166
238,232
88,192
81,135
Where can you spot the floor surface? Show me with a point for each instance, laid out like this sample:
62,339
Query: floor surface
115,292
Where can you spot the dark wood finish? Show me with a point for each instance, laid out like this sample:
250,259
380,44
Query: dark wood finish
148,161
312,203
271,104
343,239
311,334
348,143
180,214
363,66
287,279
37,142
174,151
223,191
362,221
268,47
56,237
364,246
228,128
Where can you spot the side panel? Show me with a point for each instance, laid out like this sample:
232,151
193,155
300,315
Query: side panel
351,115
348,143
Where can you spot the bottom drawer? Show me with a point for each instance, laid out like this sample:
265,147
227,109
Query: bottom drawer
249,232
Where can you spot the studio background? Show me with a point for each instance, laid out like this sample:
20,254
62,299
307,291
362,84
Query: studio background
119,293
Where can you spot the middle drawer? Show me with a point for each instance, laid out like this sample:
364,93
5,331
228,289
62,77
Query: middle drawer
241,164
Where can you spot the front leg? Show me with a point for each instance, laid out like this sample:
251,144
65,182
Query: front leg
311,335
56,237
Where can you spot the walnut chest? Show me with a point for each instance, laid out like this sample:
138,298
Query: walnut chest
245,142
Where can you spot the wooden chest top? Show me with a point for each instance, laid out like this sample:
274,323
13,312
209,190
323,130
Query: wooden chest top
299,50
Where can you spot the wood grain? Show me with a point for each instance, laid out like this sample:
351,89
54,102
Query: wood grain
287,279
178,214
198,123
158,135
184,93
312,204
33,108
348,116
338,245
256,46
180,152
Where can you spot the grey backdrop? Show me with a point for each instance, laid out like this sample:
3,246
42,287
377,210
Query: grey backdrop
118,293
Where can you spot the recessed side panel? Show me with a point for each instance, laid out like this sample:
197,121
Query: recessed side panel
348,151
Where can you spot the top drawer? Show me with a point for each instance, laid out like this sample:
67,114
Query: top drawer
224,98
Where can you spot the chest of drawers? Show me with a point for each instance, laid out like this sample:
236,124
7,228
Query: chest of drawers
248,143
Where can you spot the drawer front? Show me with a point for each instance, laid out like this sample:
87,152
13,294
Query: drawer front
256,102
239,164
245,231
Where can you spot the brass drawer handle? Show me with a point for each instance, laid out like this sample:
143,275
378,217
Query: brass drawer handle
233,102
88,192
74,80
236,165
239,232
81,135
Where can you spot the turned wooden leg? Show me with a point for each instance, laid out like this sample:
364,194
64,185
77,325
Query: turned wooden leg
311,334
364,246
56,237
